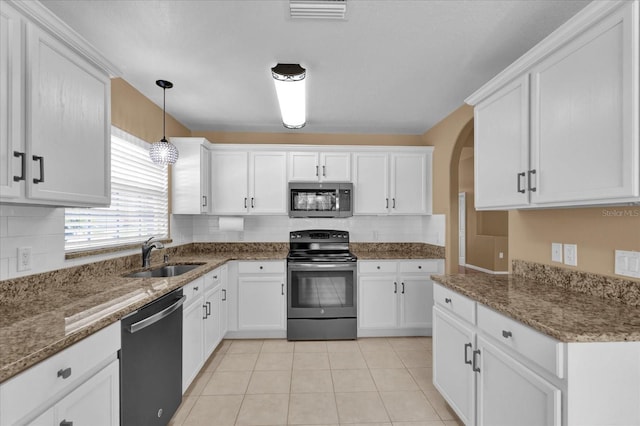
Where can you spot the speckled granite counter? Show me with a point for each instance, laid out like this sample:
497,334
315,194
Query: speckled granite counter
566,315
42,314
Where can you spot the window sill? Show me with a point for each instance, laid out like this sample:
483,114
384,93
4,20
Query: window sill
108,250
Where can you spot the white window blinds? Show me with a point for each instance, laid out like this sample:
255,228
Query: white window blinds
139,201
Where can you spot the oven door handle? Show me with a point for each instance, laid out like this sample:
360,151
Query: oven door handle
321,265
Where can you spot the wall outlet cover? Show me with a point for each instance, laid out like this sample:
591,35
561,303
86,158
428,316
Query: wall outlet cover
571,254
556,252
627,263
24,259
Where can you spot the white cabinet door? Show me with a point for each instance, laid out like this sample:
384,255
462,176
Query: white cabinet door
95,402
68,124
501,126
303,166
212,321
335,166
416,298
410,182
584,105
191,177
378,302
229,189
371,183
261,303
11,112
268,182
452,374
192,341
510,394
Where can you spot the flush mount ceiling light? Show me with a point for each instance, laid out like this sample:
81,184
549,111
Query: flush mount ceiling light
318,9
163,152
290,88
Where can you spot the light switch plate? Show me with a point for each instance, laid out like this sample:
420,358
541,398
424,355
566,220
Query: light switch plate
556,252
627,263
571,254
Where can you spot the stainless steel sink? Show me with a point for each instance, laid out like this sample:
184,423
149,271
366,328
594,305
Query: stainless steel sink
165,271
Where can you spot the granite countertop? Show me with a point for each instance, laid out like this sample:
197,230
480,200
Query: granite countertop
558,312
43,314
35,328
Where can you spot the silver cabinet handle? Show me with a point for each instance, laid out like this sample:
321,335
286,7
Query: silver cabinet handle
224,292
41,161
395,288
204,315
466,353
208,308
65,373
447,300
245,202
386,206
520,175
402,288
253,204
394,203
204,201
529,173
282,289
156,317
66,423
316,170
23,161
474,366
324,171
506,334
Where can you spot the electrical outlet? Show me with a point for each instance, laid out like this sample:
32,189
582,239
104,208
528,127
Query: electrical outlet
24,258
556,252
627,263
501,255
571,254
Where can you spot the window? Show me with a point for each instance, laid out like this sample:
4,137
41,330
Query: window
139,201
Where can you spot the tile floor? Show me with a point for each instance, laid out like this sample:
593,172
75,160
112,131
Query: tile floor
376,381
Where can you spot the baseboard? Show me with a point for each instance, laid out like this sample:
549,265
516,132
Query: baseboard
487,271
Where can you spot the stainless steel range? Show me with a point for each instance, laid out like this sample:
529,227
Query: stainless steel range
321,286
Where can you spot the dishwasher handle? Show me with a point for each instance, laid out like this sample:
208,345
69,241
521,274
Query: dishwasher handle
156,317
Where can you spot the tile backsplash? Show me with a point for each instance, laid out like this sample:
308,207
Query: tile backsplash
42,229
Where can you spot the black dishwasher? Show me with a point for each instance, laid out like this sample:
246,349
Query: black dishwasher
151,362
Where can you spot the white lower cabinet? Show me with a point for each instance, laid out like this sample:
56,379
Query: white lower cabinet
396,297
202,321
262,298
81,384
493,370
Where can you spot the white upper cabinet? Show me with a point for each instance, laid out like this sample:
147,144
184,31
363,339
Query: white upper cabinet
248,182
55,139
398,183
191,177
320,166
566,115
501,125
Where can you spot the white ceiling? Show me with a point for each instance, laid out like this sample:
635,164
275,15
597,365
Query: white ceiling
393,66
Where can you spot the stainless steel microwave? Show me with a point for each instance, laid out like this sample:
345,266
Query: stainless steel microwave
325,199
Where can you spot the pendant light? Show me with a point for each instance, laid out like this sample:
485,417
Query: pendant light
163,152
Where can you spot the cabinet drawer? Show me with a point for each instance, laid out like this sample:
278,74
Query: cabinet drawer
541,349
193,291
420,266
24,393
212,279
454,302
267,267
375,266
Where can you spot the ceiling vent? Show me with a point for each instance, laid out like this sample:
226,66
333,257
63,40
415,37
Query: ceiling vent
318,9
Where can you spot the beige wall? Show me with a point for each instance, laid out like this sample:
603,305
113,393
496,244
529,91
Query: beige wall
134,113
597,231
310,138
448,137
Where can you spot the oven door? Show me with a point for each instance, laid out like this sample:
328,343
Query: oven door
321,290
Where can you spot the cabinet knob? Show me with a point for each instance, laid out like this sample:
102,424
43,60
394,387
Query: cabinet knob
419,266
378,267
447,300
260,267
64,373
195,288
506,334
215,277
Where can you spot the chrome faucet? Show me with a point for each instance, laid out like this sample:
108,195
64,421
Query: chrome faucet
147,246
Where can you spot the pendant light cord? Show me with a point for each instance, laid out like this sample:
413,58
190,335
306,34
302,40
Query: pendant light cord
164,113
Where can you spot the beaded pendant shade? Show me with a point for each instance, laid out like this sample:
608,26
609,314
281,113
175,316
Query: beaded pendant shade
163,152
